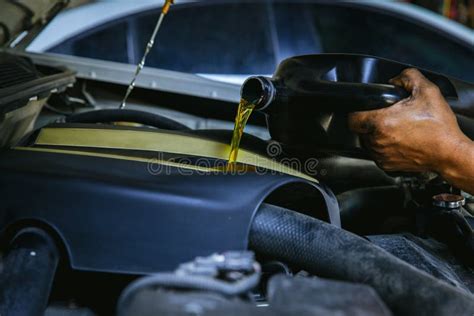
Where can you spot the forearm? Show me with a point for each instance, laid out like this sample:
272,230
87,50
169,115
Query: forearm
458,165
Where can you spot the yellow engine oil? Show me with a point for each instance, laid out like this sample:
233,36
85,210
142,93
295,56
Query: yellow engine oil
243,113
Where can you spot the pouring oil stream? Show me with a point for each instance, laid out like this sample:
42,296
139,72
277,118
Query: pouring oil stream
243,114
256,92
245,108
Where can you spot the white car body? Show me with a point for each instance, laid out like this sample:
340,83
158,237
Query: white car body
73,22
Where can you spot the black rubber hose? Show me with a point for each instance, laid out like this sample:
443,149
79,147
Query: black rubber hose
27,275
325,250
116,115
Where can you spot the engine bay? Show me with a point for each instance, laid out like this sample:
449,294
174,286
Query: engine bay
133,212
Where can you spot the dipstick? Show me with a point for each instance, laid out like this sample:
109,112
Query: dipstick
149,45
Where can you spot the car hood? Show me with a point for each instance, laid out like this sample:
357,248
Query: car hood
21,20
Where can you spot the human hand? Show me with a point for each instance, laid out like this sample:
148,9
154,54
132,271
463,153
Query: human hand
417,134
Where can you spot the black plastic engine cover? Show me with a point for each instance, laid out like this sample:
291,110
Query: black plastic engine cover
114,215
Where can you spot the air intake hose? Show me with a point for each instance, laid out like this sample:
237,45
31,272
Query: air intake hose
325,250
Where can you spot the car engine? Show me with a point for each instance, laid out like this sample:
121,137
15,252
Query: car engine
131,212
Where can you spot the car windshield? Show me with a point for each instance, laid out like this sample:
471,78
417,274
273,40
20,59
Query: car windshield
230,40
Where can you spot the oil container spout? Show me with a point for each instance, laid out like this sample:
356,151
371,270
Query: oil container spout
259,91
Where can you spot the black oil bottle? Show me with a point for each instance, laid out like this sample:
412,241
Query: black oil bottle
307,100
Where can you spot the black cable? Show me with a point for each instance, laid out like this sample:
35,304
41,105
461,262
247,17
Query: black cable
56,111
115,115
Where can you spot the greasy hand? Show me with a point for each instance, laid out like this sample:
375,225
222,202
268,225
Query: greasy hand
417,134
